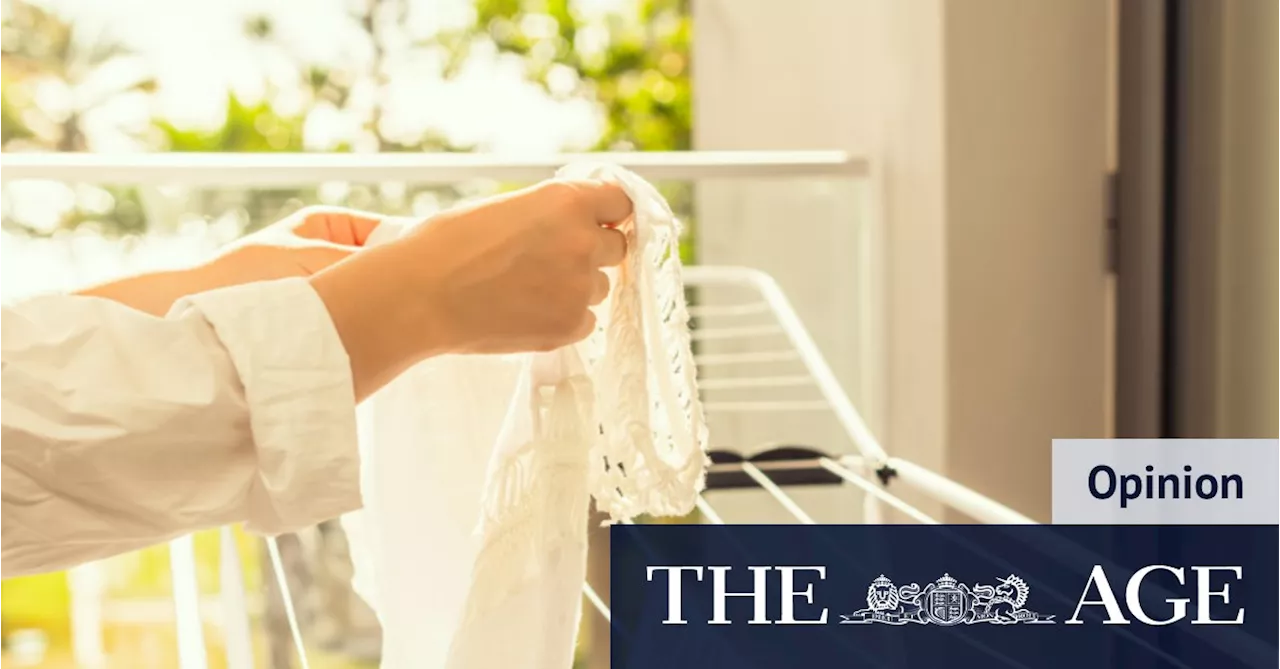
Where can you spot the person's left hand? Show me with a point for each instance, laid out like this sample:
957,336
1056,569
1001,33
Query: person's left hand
302,244
298,246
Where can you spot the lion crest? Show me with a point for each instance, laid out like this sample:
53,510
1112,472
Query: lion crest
882,595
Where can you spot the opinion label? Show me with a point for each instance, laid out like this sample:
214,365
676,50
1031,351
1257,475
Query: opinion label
1166,481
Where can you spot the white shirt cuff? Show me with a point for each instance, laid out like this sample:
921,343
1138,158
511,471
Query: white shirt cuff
298,387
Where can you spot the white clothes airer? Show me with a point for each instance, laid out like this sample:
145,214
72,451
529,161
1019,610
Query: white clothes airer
477,470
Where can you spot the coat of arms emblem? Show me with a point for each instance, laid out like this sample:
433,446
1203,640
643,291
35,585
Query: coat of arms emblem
946,602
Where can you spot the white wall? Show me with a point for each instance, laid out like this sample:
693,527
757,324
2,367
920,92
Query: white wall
987,119
1026,158
768,76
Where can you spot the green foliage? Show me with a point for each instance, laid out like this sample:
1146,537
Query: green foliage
248,128
12,127
126,216
640,76
39,46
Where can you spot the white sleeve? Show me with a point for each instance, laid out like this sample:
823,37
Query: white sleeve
122,430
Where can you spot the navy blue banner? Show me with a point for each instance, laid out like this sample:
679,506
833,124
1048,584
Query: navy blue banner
898,597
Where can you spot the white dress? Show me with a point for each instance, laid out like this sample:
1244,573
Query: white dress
519,445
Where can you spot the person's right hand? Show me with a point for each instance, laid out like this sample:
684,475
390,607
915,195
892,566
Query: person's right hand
509,274
517,273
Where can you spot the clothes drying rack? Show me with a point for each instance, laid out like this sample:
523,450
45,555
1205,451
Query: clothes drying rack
764,326
773,334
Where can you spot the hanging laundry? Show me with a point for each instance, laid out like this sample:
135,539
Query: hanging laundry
519,445
425,442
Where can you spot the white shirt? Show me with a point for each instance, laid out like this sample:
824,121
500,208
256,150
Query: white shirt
122,430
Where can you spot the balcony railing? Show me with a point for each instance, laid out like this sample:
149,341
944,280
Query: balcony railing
292,169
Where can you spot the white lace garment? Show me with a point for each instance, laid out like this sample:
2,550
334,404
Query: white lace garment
519,445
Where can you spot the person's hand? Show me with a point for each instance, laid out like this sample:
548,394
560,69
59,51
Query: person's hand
512,273
518,273
302,244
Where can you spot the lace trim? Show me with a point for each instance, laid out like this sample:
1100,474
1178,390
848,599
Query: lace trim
650,454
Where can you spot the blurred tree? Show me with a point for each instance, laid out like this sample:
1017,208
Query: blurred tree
44,53
247,127
42,49
635,65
